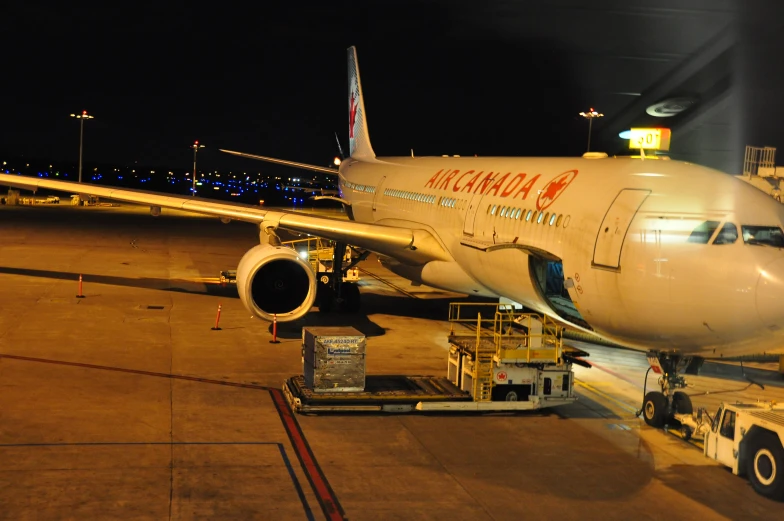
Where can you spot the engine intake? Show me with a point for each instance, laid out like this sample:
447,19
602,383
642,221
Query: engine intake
274,280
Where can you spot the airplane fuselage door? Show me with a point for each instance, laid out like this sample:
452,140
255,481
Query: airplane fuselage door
379,192
616,222
473,207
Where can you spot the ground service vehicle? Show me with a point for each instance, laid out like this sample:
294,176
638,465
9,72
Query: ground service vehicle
748,438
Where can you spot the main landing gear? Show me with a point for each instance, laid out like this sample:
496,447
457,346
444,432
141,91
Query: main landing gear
333,291
660,408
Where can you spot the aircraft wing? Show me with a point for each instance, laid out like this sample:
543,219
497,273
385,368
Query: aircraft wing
408,245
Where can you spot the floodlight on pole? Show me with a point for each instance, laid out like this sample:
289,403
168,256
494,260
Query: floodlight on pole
81,117
196,146
590,116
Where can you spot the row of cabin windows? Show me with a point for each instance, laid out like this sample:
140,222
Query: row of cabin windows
509,212
411,196
360,188
447,202
728,234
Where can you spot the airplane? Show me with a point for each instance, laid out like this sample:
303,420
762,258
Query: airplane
671,258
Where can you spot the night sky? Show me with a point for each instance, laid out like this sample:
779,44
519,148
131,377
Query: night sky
436,78
440,77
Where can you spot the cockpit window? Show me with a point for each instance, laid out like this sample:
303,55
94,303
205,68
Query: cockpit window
727,235
702,233
764,235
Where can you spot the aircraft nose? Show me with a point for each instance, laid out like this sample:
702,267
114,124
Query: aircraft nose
770,295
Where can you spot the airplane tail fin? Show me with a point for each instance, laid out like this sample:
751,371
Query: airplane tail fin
359,139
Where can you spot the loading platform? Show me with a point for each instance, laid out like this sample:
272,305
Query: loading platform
388,393
498,359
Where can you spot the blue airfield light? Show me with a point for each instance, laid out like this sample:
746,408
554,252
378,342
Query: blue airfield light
626,134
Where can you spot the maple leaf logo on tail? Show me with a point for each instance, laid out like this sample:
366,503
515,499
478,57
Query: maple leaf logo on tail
359,140
352,115
554,188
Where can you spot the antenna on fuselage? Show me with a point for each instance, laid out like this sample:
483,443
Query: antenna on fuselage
641,142
340,148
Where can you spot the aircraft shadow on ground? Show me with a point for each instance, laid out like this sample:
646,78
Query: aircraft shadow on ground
585,408
181,286
426,309
700,483
436,309
743,376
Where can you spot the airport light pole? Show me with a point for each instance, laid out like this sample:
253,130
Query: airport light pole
590,116
196,146
81,117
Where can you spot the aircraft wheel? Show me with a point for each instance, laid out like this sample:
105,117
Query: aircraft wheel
507,393
324,298
654,409
681,403
686,432
765,466
511,396
351,298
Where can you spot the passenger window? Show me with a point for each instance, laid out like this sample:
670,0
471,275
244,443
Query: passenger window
528,215
702,233
728,425
764,235
727,235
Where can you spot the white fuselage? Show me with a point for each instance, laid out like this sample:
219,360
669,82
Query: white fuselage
622,229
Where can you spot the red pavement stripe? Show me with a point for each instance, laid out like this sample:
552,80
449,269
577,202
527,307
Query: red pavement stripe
593,364
326,496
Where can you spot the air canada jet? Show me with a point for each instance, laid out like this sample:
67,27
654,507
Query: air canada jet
675,259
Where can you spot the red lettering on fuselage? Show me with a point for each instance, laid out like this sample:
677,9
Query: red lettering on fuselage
457,188
512,185
442,185
497,185
470,184
503,186
527,187
434,179
484,184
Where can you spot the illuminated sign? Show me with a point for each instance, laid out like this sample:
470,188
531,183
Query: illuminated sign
650,138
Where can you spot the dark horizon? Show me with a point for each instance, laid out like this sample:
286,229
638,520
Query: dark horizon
458,77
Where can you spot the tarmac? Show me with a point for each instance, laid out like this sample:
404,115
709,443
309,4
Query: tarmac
126,404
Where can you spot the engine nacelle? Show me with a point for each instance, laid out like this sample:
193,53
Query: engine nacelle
274,280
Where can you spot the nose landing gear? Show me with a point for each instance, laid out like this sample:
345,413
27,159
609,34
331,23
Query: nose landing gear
660,408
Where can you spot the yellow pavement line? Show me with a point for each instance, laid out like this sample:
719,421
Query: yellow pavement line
622,405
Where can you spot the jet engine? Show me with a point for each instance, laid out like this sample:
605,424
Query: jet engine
274,280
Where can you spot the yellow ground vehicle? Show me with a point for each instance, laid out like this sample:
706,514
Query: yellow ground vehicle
321,255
